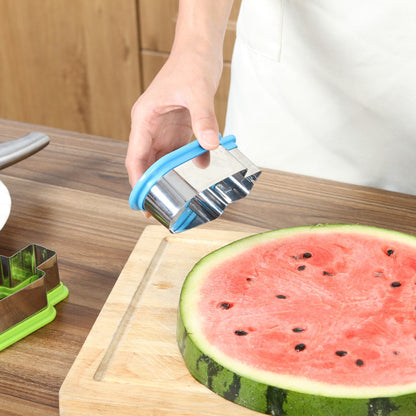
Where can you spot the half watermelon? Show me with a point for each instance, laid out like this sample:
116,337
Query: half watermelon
306,321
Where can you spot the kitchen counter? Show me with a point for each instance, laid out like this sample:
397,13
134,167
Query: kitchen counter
72,197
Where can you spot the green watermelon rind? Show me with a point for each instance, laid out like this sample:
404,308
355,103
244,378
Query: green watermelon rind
279,401
265,391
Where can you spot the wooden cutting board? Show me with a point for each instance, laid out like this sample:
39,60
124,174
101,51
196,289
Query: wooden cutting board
130,363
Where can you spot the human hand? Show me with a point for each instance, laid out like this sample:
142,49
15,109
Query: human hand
178,103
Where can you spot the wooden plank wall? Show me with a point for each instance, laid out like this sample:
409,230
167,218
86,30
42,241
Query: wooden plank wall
80,64
70,64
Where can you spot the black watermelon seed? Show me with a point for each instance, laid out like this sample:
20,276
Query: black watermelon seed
359,362
396,284
249,279
225,305
390,252
281,296
325,273
306,255
297,329
341,353
300,347
300,268
240,332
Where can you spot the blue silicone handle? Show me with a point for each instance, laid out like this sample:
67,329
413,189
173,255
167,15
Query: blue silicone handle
165,164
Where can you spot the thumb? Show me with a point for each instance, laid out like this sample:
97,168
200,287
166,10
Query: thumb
204,124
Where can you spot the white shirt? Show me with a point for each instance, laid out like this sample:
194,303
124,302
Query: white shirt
327,88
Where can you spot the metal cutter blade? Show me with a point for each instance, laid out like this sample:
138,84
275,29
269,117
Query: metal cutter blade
182,195
29,288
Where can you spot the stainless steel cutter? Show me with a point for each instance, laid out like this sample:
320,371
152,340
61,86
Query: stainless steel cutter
29,289
181,195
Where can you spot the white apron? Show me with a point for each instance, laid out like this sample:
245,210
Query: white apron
327,88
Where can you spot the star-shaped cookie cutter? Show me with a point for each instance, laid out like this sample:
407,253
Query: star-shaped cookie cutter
29,289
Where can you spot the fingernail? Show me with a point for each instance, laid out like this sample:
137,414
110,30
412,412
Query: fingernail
209,139
146,214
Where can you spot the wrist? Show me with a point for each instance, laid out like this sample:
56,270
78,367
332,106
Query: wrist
201,26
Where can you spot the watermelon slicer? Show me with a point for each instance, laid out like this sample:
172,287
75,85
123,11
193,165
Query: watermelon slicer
29,289
182,195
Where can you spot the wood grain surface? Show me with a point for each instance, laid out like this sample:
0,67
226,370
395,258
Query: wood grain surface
81,64
72,197
130,363
70,64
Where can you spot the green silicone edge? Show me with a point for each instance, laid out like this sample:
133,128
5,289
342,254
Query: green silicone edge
26,327
6,291
37,320
57,294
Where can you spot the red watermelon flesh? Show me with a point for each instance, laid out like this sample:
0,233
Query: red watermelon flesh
316,318
336,308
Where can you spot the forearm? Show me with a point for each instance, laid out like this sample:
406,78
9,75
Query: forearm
201,25
180,100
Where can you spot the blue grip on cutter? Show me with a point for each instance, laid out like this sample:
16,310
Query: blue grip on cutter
168,163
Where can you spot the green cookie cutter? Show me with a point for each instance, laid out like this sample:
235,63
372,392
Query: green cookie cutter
29,289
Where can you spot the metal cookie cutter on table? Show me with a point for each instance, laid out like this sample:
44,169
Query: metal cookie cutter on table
181,195
29,289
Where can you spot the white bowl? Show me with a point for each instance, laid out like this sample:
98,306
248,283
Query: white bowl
5,204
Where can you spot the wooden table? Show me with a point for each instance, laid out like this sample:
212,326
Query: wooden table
72,197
